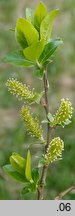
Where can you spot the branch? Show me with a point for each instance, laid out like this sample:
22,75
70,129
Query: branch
45,167
62,194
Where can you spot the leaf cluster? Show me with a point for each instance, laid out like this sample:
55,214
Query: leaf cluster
33,33
20,170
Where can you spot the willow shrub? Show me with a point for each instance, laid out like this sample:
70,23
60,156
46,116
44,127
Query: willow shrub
33,33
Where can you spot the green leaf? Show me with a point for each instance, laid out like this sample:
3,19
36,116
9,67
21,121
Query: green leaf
50,117
63,124
31,187
49,61
41,162
21,39
49,50
30,15
34,51
20,36
25,32
28,167
38,72
35,175
67,122
18,163
38,97
14,174
45,121
46,24
26,189
17,58
39,15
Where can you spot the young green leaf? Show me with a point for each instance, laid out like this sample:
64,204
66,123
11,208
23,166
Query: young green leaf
14,174
30,15
41,161
28,167
46,24
35,175
50,117
45,121
38,72
34,51
17,58
29,188
18,163
67,122
38,97
32,187
39,15
26,31
21,39
49,50
26,189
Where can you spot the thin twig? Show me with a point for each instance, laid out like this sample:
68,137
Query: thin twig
62,194
42,183
45,167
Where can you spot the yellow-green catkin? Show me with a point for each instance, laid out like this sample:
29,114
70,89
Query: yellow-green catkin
63,113
54,151
21,91
32,124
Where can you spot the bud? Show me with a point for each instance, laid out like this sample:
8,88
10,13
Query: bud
64,112
18,163
21,91
32,124
54,151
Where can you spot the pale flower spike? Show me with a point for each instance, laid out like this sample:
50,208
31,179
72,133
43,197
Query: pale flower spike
20,90
54,151
64,112
32,124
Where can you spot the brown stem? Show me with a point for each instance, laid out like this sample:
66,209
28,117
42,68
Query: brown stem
42,183
62,194
45,167
46,86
